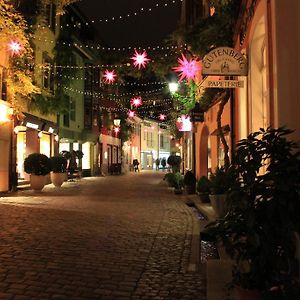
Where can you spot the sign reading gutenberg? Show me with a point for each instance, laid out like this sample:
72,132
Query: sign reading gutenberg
225,61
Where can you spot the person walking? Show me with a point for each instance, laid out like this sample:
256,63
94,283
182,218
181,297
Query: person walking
136,165
157,162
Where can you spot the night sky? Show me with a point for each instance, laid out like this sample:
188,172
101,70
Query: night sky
146,29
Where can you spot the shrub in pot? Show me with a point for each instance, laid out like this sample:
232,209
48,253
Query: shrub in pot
58,167
203,188
261,226
178,183
221,182
38,166
189,180
170,179
174,161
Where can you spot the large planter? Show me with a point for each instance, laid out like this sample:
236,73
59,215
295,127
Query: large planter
218,204
190,189
177,191
37,182
57,178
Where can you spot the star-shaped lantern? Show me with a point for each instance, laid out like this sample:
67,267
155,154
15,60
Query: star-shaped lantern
109,76
187,68
162,117
140,59
14,47
131,113
136,101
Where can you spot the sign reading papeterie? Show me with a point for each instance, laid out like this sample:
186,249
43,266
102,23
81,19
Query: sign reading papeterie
225,61
224,84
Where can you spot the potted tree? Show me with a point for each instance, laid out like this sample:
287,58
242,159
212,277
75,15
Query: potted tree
203,189
174,161
178,183
190,182
261,226
58,168
170,179
38,166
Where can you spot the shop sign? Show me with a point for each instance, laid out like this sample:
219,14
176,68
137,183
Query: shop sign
32,125
225,61
224,84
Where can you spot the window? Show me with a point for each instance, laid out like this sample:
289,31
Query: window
51,16
3,89
73,110
161,141
48,76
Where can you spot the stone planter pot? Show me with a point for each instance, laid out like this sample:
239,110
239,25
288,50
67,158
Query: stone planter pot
218,204
37,182
57,178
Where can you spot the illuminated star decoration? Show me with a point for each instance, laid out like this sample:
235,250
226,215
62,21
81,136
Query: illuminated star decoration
187,68
109,76
136,101
14,47
131,113
162,117
140,60
117,130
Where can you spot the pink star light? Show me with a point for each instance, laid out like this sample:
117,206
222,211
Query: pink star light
136,101
131,113
14,47
140,59
162,117
109,76
187,68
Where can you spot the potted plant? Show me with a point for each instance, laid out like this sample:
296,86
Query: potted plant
190,182
178,183
58,168
203,188
261,226
38,166
170,179
174,161
221,181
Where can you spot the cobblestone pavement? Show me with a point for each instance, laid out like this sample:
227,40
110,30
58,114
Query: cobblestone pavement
117,237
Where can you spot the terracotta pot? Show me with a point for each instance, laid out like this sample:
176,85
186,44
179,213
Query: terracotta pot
244,294
37,182
57,178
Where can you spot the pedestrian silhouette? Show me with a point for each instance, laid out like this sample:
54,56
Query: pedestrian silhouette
136,165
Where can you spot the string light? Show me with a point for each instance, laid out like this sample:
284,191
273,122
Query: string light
116,18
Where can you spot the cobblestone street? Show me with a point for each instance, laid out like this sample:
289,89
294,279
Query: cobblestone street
116,237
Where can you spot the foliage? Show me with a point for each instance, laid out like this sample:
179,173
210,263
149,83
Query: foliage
163,162
189,178
19,78
188,98
37,164
178,181
174,161
60,4
203,185
58,164
170,178
222,180
258,231
79,154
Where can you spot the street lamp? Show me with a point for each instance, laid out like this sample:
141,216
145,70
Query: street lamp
117,122
173,87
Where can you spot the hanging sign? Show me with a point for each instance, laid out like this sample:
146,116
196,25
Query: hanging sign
225,61
224,84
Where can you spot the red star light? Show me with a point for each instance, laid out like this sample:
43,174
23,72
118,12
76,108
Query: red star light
14,47
187,68
140,60
117,130
131,113
109,76
136,101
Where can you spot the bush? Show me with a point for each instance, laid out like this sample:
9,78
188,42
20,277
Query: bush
58,164
37,164
221,181
203,185
171,179
79,154
189,178
65,154
174,161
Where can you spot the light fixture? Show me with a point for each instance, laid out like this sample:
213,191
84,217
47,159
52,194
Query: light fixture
173,87
5,112
56,138
117,122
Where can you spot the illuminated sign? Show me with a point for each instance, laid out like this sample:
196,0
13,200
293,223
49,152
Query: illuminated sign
32,125
184,123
